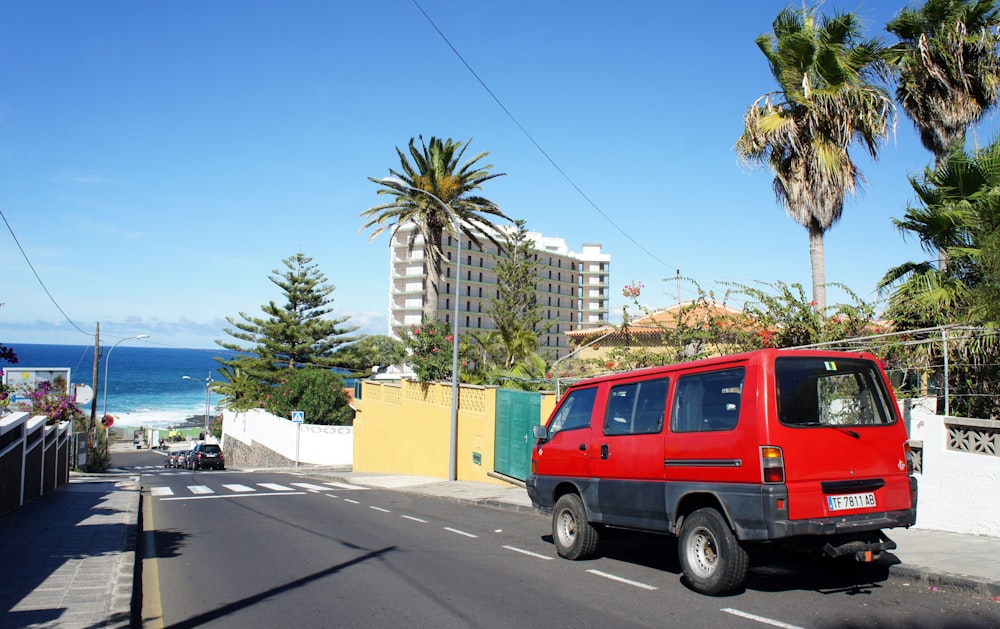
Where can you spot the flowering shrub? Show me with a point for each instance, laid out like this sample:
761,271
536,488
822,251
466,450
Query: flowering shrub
633,290
57,406
430,347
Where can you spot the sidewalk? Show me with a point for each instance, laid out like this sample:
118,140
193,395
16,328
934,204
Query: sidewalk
67,559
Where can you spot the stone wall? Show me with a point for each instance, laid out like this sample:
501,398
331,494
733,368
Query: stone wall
239,454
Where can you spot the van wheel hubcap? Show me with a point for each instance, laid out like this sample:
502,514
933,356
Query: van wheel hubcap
567,528
703,552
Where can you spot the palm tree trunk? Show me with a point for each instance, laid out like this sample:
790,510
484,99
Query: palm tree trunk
432,288
816,254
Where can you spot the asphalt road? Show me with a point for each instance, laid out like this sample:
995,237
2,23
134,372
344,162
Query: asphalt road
232,549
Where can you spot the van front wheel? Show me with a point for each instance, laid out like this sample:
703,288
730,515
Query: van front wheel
713,561
573,535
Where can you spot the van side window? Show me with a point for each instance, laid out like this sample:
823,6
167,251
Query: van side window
636,408
708,401
825,392
575,411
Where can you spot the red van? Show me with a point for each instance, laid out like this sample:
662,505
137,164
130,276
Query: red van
797,447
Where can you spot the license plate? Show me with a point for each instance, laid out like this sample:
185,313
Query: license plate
851,501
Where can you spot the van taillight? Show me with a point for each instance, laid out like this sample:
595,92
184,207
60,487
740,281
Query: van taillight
908,456
772,464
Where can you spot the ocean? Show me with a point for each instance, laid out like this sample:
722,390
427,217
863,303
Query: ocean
145,385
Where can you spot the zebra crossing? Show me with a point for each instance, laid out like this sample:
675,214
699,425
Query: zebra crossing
223,490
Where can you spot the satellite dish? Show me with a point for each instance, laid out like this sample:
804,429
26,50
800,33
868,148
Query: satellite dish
82,394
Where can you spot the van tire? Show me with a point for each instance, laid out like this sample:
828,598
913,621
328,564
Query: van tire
574,536
713,561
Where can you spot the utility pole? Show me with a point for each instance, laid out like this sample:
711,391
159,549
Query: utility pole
97,363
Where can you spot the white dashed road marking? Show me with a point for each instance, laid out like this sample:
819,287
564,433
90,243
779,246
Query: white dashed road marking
161,491
410,517
528,553
200,489
760,619
638,584
457,532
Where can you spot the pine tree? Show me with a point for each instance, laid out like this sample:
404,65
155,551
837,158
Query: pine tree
297,333
515,312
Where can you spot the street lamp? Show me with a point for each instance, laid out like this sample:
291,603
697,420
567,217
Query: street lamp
107,363
397,183
208,394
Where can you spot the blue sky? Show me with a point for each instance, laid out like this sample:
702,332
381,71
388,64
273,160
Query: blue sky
158,160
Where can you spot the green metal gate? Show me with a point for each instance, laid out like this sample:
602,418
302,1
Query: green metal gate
516,412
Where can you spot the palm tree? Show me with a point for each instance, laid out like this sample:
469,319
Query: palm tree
958,200
947,66
435,172
827,99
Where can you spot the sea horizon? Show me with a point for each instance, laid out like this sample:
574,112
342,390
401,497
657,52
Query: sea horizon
138,385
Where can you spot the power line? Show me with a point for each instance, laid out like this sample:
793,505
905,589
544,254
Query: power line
536,144
37,277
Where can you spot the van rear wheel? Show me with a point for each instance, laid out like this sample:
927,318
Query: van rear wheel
713,560
574,536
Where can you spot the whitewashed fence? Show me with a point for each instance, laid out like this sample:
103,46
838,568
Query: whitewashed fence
959,470
308,444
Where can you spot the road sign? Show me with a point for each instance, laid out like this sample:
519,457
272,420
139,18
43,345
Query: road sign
108,421
298,417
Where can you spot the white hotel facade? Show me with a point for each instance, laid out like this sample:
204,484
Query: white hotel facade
572,288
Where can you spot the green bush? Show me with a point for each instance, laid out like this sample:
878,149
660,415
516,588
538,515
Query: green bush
319,393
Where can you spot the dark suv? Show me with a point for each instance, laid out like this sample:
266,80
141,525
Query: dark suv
206,455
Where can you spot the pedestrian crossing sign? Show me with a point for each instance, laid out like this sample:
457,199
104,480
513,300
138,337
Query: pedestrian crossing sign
298,417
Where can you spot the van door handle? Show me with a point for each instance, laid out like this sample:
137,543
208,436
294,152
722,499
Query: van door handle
604,451
583,447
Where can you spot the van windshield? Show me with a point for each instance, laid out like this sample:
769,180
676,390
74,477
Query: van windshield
830,392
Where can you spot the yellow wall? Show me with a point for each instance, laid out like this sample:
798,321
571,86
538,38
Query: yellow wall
405,428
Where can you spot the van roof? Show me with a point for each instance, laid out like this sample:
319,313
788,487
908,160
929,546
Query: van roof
718,361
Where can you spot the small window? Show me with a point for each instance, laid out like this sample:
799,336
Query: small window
636,408
575,411
708,401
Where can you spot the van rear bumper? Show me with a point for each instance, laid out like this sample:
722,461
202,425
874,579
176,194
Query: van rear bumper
840,525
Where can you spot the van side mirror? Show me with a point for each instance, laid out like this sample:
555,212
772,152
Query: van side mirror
540,432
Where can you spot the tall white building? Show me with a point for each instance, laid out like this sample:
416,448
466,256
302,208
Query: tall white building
572,288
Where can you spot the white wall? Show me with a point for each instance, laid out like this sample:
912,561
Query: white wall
317,445
957,490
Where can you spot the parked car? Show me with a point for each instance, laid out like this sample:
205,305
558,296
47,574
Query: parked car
181,461
171,459
207,455
774,448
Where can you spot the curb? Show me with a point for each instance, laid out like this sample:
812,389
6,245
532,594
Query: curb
976,587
